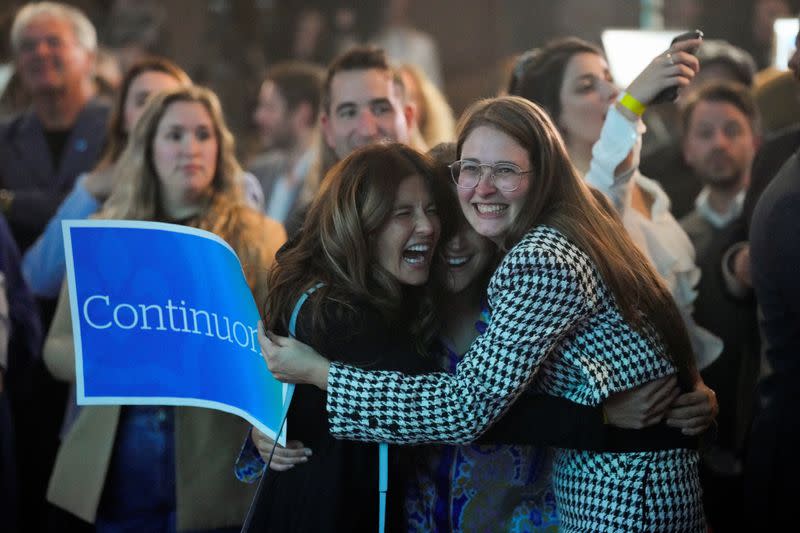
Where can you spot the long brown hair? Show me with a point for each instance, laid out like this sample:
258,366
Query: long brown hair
336,245
557,197
117,137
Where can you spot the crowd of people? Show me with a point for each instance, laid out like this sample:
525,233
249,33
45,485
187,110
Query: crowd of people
511,295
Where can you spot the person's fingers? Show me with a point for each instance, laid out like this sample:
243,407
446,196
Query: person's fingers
697,397
685,59
652,388
692,432
681,71
688,46
296,451
690,426
682,416
263,340
657,395
692,413
278,340
657,412
690,406
282,458
279,457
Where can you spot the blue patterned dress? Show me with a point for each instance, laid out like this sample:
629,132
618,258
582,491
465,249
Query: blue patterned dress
482,487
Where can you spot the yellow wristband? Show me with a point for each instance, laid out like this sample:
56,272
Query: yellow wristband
632,104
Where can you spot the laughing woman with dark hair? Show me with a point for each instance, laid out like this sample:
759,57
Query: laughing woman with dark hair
363,258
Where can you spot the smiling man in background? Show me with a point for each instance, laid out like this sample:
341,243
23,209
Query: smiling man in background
43,150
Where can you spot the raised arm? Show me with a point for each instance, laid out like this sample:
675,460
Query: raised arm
615,156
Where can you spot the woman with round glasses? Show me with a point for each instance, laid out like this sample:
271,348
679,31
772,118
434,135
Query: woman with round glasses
602,130
505,176
577,312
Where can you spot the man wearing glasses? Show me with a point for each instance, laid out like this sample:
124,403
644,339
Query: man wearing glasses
43,150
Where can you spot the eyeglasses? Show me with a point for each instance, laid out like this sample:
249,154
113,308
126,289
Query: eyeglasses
505,176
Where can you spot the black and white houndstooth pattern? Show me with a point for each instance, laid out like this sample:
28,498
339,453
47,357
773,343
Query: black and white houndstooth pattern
554,327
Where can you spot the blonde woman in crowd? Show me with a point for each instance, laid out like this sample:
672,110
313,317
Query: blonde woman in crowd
43,263
154,468
435,122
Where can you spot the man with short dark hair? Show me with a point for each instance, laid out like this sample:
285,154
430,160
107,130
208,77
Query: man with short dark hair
286,116
720,134
43,150
363,102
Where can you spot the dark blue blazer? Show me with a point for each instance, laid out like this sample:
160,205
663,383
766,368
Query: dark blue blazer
27,169
25,341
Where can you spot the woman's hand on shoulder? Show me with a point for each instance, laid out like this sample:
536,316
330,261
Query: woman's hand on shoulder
675,67
282,458
694,411
644,406
291,361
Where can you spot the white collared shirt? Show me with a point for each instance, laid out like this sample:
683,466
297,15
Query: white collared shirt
715,218
287,187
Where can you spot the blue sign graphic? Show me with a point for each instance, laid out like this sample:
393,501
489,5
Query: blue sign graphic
162,315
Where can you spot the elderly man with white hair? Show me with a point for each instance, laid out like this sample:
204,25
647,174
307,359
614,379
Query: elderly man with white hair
42,151
61,135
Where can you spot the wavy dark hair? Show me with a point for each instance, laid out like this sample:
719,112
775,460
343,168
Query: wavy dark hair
559,198
336,245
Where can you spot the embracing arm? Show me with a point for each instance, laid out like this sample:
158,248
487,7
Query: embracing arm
536,298
540,419
627,421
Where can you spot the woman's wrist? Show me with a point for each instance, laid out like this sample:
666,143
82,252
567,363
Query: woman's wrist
630,107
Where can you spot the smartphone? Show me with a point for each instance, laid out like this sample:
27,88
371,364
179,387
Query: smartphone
671,93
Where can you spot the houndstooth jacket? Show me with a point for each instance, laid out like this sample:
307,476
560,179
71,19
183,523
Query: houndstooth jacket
555,328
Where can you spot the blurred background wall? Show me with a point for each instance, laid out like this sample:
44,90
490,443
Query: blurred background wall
227,44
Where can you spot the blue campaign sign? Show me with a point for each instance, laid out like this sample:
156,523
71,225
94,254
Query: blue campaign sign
162,314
